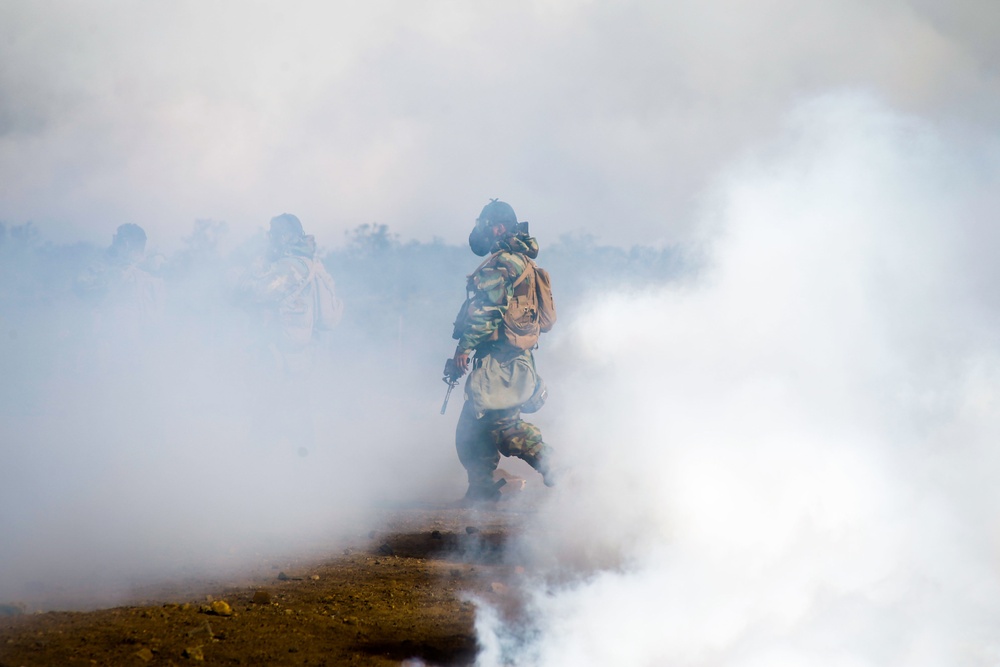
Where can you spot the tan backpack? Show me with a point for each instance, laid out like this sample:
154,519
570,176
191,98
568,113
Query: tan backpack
329,307
313,305
531,310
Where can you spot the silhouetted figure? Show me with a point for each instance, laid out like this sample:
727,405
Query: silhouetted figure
128,298
293,300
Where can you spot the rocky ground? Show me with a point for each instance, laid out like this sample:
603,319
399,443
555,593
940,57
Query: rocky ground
398,595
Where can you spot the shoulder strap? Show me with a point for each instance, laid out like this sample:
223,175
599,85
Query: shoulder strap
524,274
308,279
485,262
497,254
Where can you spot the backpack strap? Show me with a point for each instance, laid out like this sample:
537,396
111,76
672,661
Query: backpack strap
308,280
497,254
524,274
485,262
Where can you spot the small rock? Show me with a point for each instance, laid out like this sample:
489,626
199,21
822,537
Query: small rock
207,628
261,597
144,654
221,608
315,577
194,653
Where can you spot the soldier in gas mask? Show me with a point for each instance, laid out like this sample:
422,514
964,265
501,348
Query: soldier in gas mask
508,307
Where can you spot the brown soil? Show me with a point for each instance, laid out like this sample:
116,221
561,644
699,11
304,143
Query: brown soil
397,595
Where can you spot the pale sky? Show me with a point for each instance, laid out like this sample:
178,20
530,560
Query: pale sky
605,118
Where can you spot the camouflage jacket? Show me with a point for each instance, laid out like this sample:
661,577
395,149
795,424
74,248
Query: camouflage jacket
123,289
273,287
270,280
490,289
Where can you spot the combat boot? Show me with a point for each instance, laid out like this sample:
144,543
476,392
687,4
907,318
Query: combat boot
484,493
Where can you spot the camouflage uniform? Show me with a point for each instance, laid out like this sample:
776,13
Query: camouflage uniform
281,289
502,376
278,288
128,298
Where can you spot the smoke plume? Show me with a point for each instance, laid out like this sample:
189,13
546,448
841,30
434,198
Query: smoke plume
788,460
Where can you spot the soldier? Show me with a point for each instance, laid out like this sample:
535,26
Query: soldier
295,299
293,294
127,296
500,323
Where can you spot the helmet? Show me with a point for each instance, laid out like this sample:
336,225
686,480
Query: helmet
495,213
129,242
285,228
129,234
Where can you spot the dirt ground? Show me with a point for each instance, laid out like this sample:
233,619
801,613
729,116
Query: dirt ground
396,596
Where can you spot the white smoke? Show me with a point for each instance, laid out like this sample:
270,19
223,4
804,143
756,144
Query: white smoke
182,454
789,461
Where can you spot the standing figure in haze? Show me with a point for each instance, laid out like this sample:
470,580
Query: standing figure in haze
128,298
294,300
508,307
292,293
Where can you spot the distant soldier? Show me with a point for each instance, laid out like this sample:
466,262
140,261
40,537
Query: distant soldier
509,306
127,296
293,294
294,299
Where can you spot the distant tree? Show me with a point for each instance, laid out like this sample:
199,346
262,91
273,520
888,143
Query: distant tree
392,289
25,235
371,239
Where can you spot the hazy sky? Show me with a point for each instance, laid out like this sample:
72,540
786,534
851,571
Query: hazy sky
601,117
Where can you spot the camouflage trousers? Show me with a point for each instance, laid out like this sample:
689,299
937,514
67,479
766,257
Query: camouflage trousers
480,442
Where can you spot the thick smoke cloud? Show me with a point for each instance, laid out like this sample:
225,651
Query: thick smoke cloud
167,445
788,461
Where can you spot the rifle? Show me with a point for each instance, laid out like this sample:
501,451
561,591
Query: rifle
451,375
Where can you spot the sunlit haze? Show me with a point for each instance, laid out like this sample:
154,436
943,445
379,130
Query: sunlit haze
771,230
